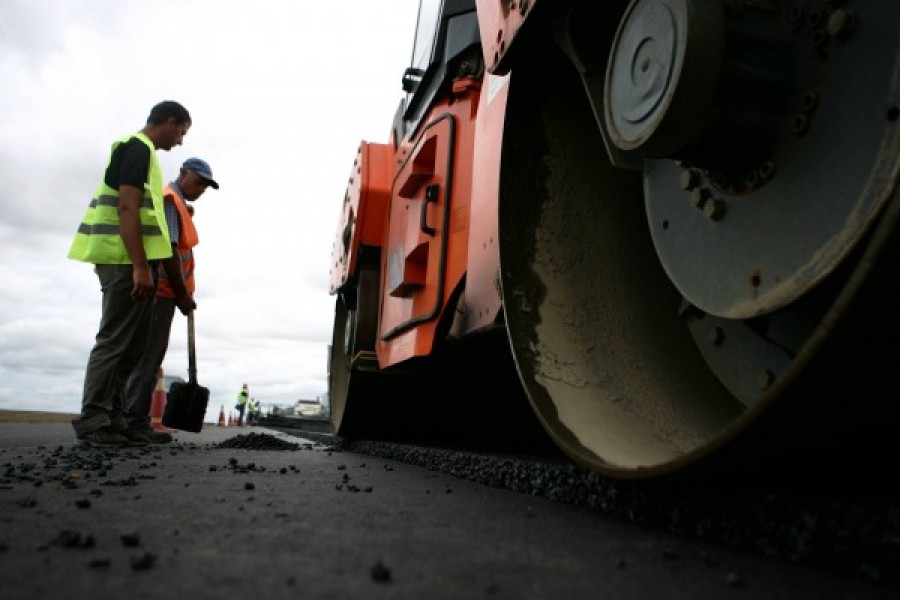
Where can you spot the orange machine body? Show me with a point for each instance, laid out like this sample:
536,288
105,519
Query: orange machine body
597,214
363,211
430,208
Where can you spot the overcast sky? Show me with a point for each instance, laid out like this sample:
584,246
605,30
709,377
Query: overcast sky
280,91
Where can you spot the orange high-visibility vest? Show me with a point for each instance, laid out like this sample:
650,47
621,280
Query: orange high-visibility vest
187,239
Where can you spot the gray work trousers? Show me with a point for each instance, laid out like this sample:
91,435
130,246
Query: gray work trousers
141,383
119,344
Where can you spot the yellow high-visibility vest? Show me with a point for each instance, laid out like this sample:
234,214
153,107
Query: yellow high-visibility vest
99,239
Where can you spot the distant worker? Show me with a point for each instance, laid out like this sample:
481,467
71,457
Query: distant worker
243,396
176,279
252,412
125,235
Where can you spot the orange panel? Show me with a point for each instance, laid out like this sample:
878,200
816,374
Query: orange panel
427,230
376,194
363,211
482,300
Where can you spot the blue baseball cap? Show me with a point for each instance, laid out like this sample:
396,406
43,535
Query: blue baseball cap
201,168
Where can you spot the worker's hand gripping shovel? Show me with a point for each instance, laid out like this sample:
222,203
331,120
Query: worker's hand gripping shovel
186,402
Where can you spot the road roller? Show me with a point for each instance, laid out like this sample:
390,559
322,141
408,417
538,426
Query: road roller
664,229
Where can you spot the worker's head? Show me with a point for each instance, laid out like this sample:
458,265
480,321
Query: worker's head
167,124
195,177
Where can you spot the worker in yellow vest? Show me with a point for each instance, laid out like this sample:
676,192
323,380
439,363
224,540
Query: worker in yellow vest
252,412
125,235
195,176
241,404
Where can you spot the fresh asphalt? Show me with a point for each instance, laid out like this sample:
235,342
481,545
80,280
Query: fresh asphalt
195,519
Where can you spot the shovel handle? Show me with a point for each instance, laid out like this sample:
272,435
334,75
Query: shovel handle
192,352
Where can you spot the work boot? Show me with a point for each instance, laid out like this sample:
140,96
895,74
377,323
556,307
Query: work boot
103,438
148,435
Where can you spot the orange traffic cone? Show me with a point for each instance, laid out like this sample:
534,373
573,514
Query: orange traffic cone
222,416
158,404
231,419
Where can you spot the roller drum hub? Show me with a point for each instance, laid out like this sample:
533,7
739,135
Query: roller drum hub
744,115
662,74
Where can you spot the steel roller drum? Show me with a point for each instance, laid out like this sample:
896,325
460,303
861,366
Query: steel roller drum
652,323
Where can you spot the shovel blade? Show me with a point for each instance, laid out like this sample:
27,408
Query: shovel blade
185,406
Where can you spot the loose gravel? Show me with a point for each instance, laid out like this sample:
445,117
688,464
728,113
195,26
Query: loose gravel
258,441
856,535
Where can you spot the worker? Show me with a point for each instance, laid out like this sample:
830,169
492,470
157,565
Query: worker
252,412
125,235
193,179
243,396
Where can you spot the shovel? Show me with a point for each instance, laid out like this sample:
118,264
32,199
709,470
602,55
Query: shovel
186,402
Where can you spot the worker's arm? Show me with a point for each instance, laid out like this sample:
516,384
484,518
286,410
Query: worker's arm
172,265
130,199
183,299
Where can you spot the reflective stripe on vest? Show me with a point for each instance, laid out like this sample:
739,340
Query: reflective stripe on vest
98,238
114,201
187,239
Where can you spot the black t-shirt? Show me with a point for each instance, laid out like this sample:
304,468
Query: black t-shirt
129,165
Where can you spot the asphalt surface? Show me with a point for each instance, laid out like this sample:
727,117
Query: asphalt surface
240,512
